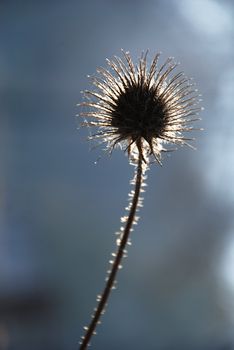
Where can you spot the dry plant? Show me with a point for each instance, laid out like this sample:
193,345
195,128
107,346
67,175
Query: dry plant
142,110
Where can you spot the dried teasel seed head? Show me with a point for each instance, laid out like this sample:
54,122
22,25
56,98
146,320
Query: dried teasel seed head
141,108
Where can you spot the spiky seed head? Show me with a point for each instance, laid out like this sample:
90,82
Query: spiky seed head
141,108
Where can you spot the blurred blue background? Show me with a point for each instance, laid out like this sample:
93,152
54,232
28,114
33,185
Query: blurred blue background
59,210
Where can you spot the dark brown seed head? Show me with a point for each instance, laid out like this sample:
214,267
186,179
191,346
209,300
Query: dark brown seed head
141,108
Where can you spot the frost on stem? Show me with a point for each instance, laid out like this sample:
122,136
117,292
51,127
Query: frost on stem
121,252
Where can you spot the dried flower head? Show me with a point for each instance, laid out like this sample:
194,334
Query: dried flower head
137,106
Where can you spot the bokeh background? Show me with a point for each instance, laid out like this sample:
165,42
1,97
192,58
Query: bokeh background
59,208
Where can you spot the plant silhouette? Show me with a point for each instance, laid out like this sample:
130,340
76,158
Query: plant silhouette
141,109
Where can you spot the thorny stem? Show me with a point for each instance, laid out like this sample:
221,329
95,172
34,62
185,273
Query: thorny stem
118,257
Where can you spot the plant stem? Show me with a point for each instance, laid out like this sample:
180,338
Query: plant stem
118,257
